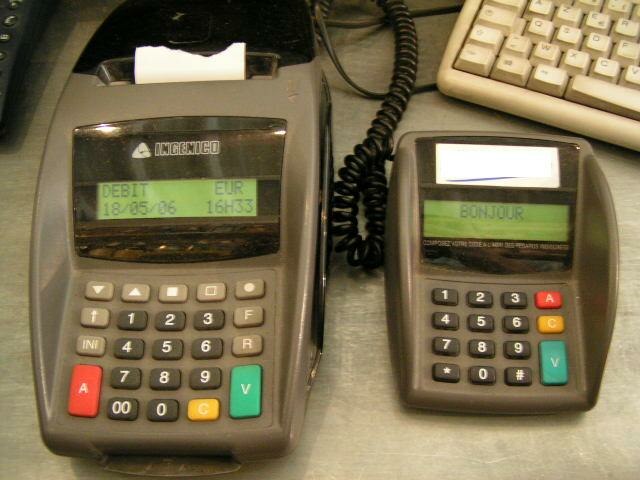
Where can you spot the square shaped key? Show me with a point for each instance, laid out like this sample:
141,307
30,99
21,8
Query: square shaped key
164,379
208,320
519,350
163,410
211,292
480,323
518,376
102,291
481,299
127,378
173,293
136,292
250,289
515,324
90,346
248,317
206,348
247,346
482,348
132,320
548,299
514,300
446,346
122,409
444,296
482,375
446,372
128,348
205,378
170,321
167,349
94,317
445,320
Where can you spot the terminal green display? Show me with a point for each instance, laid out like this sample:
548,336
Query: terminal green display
231,197
496,220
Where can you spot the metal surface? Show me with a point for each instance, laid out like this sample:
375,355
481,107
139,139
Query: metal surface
355,426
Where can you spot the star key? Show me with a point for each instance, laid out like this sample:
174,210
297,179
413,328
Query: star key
446,372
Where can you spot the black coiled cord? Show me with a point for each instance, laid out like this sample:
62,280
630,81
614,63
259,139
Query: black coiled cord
363,175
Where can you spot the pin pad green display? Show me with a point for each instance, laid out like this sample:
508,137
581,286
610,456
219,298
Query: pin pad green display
501,272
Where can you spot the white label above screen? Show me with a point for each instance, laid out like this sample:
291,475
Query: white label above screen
497,165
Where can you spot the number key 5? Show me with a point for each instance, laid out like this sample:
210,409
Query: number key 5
170,349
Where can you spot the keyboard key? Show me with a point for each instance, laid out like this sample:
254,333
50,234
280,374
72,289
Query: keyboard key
517,46
446,372
618,9
605,69
446,346
247,346
475,59
551,324
102,291
480,323
549,80
250,289
136,292
211,292
170,321
206,348
127,378
499,18
482,348
209,320
173,293
517,6
205,378
545,54
248,317
444,296
480,299
90,346
519,350
539,9
482,375
514,300
167,349
631,77
164,379
94,317
132,320
548,299
84,391
445,320
589,5
597,45
605,96
567,15
575,62
625,30
163,410
518,376
596,22
122,409
203,409
553,363
512,70
568,38
486,37
540,30
245,395
128,348
626,53
515,324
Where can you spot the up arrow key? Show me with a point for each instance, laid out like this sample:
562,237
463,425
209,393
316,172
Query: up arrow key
136,293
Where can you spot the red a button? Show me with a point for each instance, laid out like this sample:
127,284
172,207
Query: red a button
548,300
84,393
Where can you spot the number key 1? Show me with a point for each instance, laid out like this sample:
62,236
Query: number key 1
132,320
444,296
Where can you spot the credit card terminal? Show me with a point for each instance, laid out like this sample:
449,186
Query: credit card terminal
501,272
180,241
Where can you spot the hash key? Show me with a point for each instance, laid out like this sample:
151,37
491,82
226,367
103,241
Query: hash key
446,346
518,376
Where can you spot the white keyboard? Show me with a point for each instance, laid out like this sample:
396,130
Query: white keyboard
573,64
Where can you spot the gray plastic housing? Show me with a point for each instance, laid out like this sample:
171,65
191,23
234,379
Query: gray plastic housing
589,289
296,278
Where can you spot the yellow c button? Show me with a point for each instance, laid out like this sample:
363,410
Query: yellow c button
551,324
203,409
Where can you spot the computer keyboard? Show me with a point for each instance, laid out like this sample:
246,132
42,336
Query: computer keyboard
573,64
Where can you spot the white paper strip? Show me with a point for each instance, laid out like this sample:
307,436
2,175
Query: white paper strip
164,65
497,165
